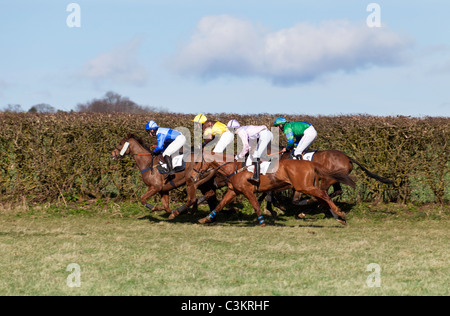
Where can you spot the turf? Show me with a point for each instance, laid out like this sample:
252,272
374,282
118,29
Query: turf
121,250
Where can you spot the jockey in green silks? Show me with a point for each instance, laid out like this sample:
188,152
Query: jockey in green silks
300,134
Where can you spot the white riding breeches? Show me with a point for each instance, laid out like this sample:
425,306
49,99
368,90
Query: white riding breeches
226,139
309,136
175,146
265,137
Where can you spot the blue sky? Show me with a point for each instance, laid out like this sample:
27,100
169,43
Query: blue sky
294,57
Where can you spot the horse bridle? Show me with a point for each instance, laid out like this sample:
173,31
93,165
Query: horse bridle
125,146
200,172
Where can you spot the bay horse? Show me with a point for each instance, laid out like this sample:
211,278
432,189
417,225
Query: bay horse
302,176
333,160
156,182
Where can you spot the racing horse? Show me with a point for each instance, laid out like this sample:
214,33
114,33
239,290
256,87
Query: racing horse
155,181
334,160
302,176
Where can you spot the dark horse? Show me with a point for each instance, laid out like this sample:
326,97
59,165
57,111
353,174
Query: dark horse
302,176
155,181
333,160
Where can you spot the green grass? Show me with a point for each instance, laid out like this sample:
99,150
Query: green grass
121,250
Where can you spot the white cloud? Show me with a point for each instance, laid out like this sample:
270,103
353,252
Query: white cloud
119,65
226,45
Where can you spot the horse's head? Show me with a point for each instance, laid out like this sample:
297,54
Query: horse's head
212,164
122,149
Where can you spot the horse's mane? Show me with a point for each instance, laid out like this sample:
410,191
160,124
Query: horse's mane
140,141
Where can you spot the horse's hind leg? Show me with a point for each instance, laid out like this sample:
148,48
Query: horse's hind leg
270,199
191,190
323,195
337,190
209,194
325,184
165,201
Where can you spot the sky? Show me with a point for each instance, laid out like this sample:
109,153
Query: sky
321,57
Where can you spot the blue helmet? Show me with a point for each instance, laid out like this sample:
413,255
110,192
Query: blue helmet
151,125
279,121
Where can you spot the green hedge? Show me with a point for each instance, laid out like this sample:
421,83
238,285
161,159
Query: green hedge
67,155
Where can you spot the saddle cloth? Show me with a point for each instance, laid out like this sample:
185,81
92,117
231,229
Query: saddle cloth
309,155
177,162
265,166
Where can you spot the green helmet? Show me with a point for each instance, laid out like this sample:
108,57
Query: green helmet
279,120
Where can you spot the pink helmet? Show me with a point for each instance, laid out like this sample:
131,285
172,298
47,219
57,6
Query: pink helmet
233,124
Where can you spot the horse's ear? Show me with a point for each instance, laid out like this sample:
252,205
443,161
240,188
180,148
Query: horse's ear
129,135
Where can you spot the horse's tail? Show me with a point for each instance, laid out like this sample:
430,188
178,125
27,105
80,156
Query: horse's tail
371,174
336,175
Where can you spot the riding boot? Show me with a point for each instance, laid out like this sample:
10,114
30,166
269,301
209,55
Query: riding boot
255,179
168,161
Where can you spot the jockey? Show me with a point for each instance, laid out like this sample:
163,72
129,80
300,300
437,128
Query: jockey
212,130
169,142
263,136
227,137
303,133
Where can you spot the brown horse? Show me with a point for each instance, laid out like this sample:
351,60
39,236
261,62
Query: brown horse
334,160
155,181
302,176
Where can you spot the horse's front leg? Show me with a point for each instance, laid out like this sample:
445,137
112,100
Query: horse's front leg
150,192
229,196
248,193
209,194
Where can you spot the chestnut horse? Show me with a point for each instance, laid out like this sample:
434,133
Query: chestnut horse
155,181
302,176
333,160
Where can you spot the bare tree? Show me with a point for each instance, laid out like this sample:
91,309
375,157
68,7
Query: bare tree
42,108
112,102
13,108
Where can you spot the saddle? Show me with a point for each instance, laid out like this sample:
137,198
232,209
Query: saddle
178,165
309,155
265,166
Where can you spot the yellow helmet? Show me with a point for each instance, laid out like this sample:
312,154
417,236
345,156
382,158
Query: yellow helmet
200,119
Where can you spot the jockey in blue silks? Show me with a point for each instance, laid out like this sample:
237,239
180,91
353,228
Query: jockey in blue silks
169,140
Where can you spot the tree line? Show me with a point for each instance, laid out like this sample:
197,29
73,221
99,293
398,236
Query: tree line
111,102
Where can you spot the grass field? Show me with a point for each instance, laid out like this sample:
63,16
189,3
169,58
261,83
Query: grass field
121,250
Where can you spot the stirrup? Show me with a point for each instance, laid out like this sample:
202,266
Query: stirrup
255,179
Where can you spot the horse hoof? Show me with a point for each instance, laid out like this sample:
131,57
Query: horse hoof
270,213
273,214
204,220
262,225
174,214
342,221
